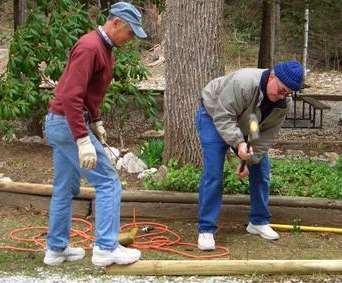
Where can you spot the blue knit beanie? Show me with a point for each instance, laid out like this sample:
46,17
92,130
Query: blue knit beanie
290,73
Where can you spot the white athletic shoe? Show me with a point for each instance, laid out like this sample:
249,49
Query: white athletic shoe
206,241
69,254
120,255
264,231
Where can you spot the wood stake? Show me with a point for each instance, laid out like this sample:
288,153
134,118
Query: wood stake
225,267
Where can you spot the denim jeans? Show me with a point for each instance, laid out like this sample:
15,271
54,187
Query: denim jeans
214,150
67,173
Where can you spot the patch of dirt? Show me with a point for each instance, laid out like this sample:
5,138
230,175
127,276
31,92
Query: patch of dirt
32,163
26,162
3,60
6,16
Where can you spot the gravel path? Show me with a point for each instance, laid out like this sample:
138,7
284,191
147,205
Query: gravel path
118,279
56,278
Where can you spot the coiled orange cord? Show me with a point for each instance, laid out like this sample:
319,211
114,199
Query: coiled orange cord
154,240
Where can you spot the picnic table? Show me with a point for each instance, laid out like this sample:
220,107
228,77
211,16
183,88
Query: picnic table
308,116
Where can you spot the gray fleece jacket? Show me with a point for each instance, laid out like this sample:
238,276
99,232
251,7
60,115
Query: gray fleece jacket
229,100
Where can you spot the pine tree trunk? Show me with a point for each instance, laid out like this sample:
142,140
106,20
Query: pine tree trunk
194,56
266,50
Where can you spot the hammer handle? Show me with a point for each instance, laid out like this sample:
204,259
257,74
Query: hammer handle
243,162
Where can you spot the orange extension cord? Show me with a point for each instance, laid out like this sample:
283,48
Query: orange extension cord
153,241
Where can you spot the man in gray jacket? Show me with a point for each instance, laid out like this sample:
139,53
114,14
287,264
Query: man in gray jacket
222,121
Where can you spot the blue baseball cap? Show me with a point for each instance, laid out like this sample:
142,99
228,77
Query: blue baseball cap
131,15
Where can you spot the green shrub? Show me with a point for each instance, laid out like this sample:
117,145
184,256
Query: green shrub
50,31
178,179
151,152
232,184
6,130
186,179
307,178
339,166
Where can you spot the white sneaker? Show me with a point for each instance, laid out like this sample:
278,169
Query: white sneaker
206,241
264,231
120,255
69,254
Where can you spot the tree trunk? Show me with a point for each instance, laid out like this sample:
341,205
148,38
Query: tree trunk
194,56
152,22
35,125
277,32
105,4
20,12
267,38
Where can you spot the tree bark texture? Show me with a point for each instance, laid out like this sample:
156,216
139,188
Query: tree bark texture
152,22
277,31
267,38
20,12
194,56
105,4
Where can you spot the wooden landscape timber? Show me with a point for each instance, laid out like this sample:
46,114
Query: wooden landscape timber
225,267
180,206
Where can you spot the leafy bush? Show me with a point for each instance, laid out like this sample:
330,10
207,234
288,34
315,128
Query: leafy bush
308,178
6,130
305,178
232,184
128,71
51,30
151,152
177,178
186,179
339,166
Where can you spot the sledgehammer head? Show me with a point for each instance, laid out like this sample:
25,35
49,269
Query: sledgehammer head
253,128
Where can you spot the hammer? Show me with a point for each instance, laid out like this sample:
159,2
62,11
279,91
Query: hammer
253,134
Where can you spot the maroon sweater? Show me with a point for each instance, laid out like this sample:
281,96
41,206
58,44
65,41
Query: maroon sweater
83,83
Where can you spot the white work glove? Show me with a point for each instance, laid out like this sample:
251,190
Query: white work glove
86,153
242,151
99,131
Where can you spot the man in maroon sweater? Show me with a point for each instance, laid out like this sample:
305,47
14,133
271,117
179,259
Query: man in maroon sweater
75,131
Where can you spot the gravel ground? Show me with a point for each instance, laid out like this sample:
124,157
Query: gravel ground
331,130
117,279
56,278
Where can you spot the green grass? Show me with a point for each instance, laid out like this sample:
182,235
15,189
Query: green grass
151,152
309,178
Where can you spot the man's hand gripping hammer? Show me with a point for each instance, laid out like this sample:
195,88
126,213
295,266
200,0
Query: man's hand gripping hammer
253,135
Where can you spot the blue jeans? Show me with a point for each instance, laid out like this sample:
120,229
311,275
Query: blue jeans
214,150
67,173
